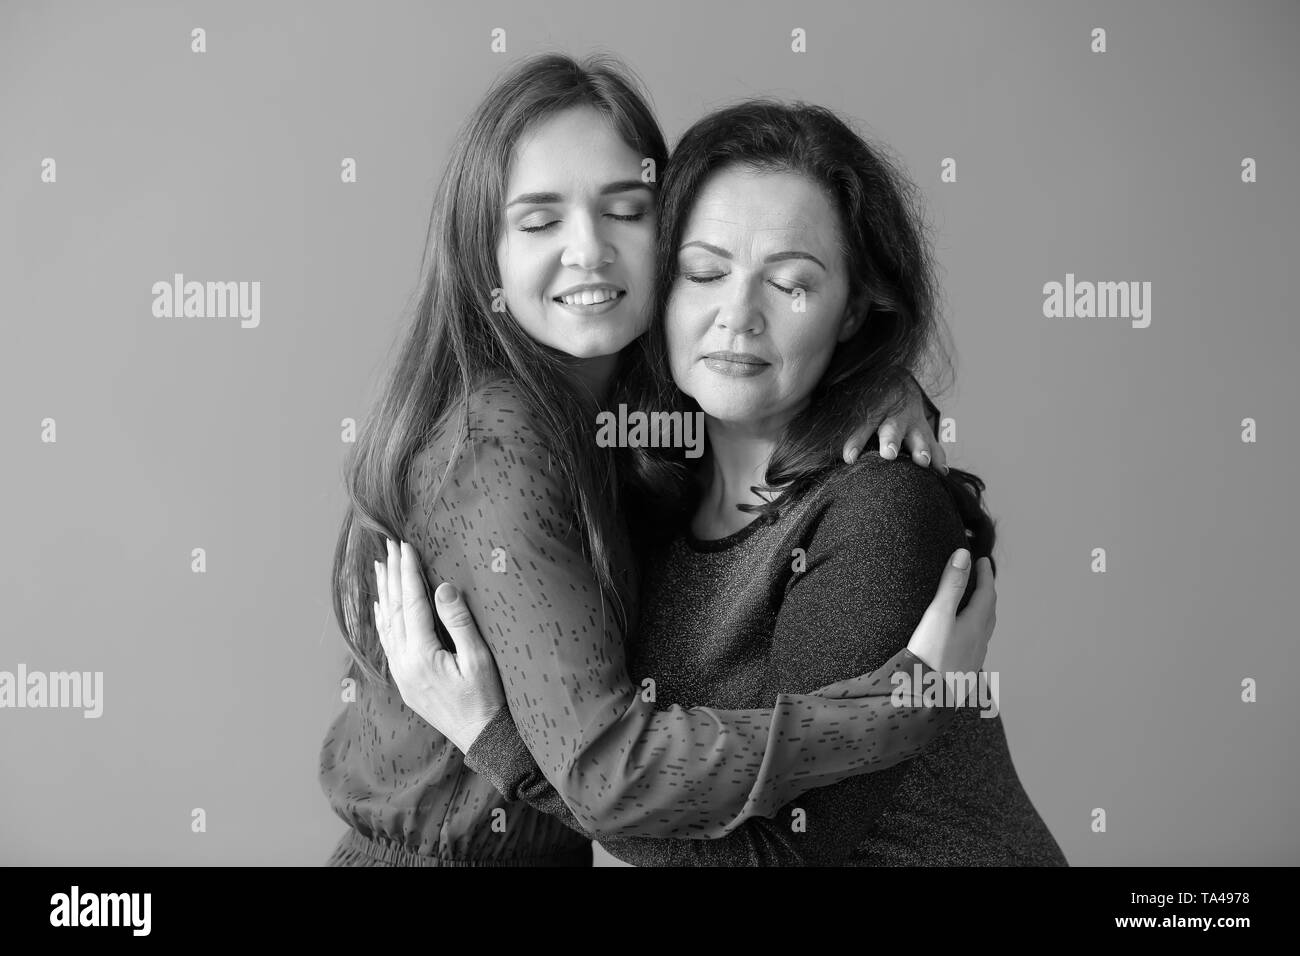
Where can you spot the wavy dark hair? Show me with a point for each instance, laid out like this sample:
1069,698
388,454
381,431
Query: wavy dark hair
891,275
455,341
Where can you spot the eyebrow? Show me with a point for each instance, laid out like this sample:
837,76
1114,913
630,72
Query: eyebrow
774,257
543,199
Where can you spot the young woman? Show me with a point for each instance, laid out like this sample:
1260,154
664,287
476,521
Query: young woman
763,205
481,452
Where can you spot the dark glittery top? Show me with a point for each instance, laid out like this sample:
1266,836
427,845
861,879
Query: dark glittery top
734,622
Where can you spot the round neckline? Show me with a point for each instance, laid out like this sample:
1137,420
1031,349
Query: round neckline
721,544
705,545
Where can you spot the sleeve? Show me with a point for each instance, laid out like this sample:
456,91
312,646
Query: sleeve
497,520
500,755
932,414
891,541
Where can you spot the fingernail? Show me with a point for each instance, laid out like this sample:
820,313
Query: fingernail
852,456
446,593
890,450
925,456
961,560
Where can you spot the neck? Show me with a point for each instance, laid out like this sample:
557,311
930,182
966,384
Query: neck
738,455
737,460
594,374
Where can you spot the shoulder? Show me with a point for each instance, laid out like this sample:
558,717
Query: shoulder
874,482
875,500
494,416
490,445
497,411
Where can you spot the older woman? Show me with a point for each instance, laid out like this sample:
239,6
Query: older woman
796,291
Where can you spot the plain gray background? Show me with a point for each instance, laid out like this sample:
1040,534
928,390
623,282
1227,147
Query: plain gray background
1119,690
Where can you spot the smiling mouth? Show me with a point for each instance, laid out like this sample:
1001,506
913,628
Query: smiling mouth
590,297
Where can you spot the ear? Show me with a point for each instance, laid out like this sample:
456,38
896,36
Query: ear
855,316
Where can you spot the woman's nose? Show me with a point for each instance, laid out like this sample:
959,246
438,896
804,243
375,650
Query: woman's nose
741,312
586,247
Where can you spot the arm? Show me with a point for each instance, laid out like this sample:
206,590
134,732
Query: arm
621,764
836,820
891,538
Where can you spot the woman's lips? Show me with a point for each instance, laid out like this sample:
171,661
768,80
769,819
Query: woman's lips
594,308
735,364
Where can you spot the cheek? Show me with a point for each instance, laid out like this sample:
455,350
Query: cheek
507,268
522,275
681,332
806,347
674,343
636,267
676,333
643,253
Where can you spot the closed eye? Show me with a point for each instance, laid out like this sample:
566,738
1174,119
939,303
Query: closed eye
634,217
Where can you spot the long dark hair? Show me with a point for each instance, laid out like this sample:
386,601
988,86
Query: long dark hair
455,341
891,275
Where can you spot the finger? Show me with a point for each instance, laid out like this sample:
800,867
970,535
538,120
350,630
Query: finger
381,591
459,622
389,643
989,582
379,629
940,457
985,597
393,583
417,615
857,441
919,446
889,432
978,619
952,584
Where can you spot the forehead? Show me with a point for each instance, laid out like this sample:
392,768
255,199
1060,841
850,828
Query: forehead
578,146
761,206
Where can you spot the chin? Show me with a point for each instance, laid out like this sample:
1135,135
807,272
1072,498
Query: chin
727,408
592,344
738,401
595,352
